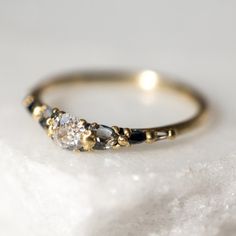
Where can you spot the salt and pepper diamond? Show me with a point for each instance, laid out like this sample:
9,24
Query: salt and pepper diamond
105,136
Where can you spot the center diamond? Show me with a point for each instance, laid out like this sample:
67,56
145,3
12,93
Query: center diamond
67,132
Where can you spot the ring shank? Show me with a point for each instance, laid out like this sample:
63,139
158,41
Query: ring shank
130,77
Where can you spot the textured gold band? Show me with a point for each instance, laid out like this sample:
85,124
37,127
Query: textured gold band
77,134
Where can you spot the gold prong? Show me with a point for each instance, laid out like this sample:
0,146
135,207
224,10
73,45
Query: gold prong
127,132
49,121
116,129
113,142
28,100
123,140
94,125
82,122
55,110
150,136
171,134
88,140
38,112
50,131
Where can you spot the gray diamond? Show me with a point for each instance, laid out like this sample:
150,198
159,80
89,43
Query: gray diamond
104,136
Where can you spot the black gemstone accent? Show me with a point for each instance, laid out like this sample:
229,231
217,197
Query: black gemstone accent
54,115
121,131
31,107
43,122
137,137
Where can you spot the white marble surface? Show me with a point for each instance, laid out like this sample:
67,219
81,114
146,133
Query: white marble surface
186,187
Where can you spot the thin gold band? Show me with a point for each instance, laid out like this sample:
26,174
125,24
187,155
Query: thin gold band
77,134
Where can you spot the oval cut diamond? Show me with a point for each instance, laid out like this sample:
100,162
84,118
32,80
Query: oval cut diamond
67,132
104,135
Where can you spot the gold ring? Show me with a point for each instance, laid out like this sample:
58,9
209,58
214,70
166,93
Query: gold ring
76,134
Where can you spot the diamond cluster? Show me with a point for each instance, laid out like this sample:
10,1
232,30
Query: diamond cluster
72,133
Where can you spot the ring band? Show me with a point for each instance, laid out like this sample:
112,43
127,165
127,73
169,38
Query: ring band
76,134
